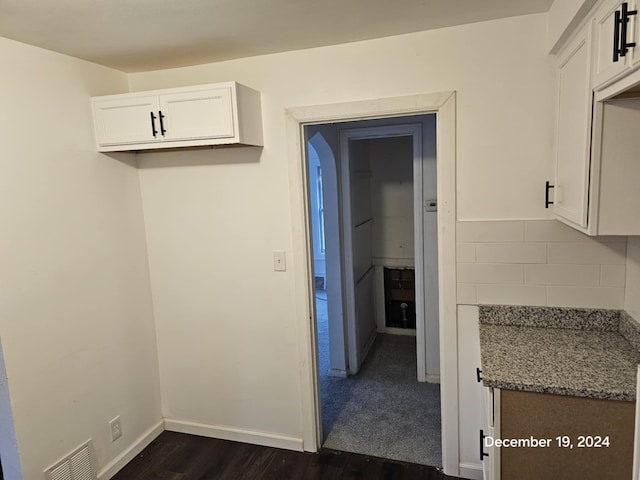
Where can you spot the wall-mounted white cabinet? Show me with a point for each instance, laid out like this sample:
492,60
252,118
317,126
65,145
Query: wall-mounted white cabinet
216,114
596,168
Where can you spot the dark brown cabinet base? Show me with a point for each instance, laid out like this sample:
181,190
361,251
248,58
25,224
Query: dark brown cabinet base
543,416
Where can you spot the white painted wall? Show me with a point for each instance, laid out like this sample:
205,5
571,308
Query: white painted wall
213,217
392,198
76,316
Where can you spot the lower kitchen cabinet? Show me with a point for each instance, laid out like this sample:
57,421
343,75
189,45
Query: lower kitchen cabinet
471,412
578,438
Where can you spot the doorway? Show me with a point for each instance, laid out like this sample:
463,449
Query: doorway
10,466
443,104
375,224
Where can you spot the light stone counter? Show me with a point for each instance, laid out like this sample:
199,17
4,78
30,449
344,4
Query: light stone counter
578,352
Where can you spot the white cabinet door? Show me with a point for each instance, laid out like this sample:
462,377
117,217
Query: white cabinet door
470,408
609,64
197,114
126,120
573,131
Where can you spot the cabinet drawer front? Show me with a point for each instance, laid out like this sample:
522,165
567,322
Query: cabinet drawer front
200,114
126,121
605,67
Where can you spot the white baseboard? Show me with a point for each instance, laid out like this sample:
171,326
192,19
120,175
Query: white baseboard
236,434
433,378
337,372
471,471
410,332
139,444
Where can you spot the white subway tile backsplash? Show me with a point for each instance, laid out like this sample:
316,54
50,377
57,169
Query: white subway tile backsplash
490,273
585,297
466,294
587,253
613,275
564,274
544,262
511,253
512,295
466,252
552,231
500,231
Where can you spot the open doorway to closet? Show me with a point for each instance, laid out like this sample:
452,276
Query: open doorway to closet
373,224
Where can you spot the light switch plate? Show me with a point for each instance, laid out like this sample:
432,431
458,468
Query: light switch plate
279,261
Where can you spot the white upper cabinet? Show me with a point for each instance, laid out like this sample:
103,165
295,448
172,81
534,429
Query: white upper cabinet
203,114
217,114
571,186
122,120
597,169
614,28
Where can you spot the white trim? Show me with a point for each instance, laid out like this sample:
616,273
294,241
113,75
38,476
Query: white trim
446,173
349,280
253,437
418,240
471,471
139,444
393,262
432,378
460,220
335,372
304,291
365,133
444,105
407,332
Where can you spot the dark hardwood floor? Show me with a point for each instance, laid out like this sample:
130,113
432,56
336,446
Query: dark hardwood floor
177,456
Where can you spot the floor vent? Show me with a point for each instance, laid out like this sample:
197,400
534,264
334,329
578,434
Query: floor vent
76,466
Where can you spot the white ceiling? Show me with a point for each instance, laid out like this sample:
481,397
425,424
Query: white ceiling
138,35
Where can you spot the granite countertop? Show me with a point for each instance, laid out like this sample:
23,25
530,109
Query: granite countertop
578,352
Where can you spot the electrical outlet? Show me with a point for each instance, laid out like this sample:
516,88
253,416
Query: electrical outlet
116,428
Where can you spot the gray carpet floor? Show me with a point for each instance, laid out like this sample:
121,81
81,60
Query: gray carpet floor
383,410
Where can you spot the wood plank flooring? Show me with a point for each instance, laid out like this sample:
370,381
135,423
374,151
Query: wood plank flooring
177,456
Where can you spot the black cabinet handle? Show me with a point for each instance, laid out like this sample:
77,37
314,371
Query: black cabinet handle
478,375
547,202
154,132
626,13
482,453
621,21
162,129
616,36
